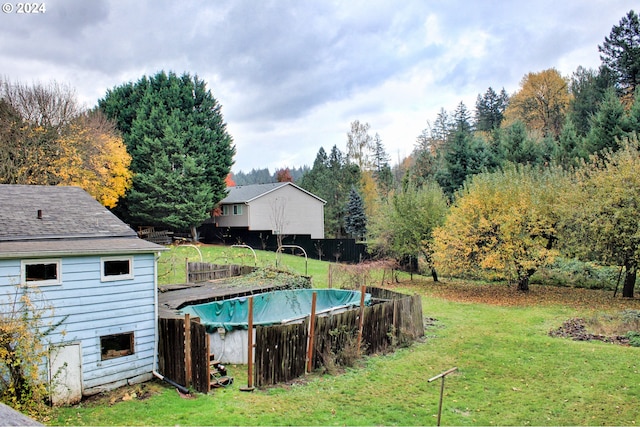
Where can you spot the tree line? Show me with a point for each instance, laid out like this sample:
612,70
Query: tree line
504,189
157,152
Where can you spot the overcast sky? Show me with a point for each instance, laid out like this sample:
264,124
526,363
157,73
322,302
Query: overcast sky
292,75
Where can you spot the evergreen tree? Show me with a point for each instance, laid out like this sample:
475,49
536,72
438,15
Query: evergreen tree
382,173
568,152
330,178
490,109
588,89
255,176
355,222
464,156
608,126
518,146
462,119
181,152
620,52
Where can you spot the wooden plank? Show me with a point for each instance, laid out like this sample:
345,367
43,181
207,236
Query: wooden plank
200,363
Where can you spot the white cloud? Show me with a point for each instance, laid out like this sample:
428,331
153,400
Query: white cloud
291,75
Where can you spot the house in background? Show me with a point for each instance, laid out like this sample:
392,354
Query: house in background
279,208
96,275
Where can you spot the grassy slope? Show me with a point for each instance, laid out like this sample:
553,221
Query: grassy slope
171,265
510,373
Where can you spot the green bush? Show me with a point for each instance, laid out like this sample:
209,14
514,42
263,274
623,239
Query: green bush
634,338
577,274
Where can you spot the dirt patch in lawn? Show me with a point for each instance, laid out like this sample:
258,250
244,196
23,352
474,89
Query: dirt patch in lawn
576,329
122,394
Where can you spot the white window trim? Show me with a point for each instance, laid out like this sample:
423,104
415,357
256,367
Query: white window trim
129,276
54,282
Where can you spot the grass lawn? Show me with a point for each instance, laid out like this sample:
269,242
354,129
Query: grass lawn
510,371
172,264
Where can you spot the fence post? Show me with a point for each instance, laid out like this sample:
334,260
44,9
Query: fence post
249,386
312,324
361,318
187,349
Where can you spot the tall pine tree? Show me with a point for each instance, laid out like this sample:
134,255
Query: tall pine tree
355,222
181,151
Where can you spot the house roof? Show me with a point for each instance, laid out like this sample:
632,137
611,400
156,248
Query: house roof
44,219
248,193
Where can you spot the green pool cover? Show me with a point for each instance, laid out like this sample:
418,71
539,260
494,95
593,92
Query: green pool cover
271,307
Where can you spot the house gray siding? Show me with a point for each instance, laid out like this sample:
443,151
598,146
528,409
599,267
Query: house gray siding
289,209
282,208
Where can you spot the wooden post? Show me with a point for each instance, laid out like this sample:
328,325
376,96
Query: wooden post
361,319
312,327
330,276
187,349
250,347
186,269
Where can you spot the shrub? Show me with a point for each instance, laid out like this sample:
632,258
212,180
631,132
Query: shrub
578,274
634,338
23,349
344,351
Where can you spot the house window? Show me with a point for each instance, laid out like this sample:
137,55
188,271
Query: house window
116,269
118,345
237,209
41,272
225,210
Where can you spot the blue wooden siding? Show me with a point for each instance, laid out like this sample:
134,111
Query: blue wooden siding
94,309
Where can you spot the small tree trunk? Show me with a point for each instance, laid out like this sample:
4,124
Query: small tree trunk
523,283
194,234
434,274
523,278
629,280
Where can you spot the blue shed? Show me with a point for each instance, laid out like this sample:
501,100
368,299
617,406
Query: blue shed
94,272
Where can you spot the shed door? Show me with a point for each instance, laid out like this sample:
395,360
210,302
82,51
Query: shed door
65,374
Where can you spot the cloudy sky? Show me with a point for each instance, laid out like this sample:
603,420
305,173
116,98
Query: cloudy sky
292,75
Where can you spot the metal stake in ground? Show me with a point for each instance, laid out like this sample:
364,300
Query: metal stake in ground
442,375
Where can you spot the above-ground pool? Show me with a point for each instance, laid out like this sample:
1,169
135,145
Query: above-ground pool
227,321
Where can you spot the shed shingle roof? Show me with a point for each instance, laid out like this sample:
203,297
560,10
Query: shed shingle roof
34,216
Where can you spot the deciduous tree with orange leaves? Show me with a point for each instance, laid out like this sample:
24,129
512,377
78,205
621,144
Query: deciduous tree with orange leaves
47,139
541,103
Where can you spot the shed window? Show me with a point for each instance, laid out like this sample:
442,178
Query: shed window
41,272
116,268
118,345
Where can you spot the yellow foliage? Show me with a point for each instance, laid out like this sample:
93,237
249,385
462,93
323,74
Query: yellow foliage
95,160
500,222
369,192
22,350
541,103
88,152
602,207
